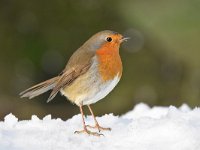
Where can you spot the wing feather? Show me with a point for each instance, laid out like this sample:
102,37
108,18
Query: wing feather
67,78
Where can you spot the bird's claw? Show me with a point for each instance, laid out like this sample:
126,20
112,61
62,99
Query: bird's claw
85,130
98,127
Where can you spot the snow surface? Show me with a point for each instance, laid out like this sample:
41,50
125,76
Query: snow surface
143,128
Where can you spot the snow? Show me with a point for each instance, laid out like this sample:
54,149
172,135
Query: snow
143,128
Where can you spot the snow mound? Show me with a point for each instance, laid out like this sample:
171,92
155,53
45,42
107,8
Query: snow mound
143,128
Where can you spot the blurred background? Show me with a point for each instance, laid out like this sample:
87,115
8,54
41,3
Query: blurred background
161,61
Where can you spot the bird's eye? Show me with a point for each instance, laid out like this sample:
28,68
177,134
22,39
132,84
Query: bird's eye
109,39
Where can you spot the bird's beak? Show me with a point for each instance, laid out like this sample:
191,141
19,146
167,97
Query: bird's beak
124,39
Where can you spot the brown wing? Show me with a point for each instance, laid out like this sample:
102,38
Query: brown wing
77,65
67,77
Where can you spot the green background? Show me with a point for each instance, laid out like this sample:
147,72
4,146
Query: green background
161,61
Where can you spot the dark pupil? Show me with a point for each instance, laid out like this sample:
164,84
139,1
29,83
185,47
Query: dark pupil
109,39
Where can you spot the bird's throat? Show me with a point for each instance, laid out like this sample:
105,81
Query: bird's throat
110,63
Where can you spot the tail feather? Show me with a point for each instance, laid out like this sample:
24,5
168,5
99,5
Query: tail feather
39,88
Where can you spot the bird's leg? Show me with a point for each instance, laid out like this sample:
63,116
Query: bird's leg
96,123
85,130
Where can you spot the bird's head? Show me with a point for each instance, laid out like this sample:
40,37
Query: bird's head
107,40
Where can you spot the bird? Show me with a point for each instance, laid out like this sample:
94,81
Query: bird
91,73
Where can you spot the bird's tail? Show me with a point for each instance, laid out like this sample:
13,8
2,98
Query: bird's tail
40,88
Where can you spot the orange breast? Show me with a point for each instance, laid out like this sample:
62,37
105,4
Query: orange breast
109,62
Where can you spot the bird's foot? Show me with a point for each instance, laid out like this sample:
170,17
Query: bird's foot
85,130
99,127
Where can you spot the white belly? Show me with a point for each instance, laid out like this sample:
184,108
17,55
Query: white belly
104,89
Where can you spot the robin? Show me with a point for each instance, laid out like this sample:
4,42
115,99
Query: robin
90,74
